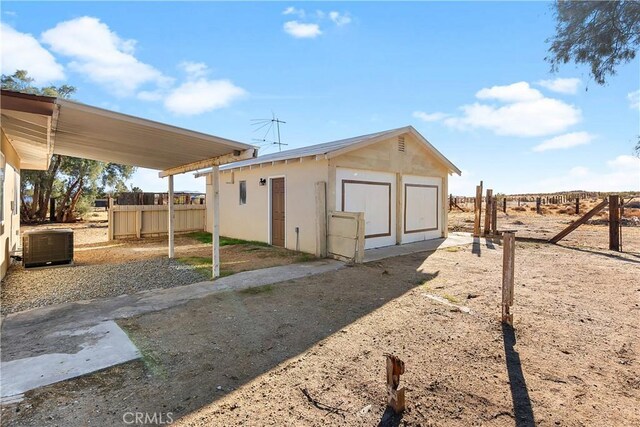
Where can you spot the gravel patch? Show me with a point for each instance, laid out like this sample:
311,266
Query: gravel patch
26,289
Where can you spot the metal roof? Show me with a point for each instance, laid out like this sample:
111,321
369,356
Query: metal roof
40,126
333,148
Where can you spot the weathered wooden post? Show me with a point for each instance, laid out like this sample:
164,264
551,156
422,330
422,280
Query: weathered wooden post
614,223
538,201
504,205
577,205
494,216
477,210
508,272
487,215
395,397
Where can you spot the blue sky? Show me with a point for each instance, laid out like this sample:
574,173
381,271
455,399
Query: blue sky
471,77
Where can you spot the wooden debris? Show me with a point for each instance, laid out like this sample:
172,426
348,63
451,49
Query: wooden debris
321,406
395,397
561,235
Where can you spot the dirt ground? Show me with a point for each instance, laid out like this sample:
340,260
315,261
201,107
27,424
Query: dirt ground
243,358
529,224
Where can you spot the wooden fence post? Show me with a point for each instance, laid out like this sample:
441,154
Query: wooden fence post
504,205
614,223
477,209
538,201
395,397
577,205
494,216
508,273
110,215
487,215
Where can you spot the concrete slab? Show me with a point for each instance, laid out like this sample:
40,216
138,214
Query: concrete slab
102,345
454,239
50,344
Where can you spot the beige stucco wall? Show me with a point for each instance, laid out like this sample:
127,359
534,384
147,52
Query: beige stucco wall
10,227
384,156
251,220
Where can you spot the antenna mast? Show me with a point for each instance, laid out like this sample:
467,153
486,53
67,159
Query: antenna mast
269,124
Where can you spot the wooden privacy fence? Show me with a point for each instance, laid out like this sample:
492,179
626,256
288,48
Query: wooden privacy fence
345,236
151,220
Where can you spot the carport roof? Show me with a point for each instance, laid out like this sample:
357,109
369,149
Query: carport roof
336,148
39,126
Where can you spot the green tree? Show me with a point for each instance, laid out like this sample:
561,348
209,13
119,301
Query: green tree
73,182
600,34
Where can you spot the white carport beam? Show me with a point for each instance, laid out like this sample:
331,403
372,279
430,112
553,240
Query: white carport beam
172,217
215,181
237,155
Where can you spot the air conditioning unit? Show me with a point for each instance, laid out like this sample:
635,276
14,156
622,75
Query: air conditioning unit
47,247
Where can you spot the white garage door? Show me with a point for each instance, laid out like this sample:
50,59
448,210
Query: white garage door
421,208
374,194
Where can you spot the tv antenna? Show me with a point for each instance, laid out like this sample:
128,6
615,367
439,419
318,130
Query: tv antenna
273,126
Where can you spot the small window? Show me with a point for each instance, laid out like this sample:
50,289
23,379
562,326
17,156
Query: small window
243,192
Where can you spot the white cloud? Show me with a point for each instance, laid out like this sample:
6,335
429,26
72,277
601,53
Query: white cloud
339,19
567,140
293,11
102,55
568,85
579,171
540,117
625,162
200,96
515,92
621,174
634,99
429,117
194,70
21,51
302,30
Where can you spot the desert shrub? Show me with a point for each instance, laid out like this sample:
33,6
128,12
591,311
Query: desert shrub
520,209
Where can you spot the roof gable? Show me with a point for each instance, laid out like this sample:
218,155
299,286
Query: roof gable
339,147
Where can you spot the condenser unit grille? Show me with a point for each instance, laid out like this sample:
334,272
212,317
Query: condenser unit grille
47,247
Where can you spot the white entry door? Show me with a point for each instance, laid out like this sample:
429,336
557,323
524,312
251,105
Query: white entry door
422,208
373,193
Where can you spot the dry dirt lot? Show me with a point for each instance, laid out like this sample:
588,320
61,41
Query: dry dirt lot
529,224
242,358
105,268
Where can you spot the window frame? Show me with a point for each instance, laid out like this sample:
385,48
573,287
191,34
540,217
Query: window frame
242,190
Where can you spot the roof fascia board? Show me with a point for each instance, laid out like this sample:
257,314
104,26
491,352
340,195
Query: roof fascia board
214,161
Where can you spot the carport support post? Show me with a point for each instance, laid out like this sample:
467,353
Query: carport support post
215,238
172,217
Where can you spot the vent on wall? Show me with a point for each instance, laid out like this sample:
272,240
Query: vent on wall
401,144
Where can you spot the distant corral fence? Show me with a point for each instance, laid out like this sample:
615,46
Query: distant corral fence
131,221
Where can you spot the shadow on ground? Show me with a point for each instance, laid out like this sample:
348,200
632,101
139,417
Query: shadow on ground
522,408
197,353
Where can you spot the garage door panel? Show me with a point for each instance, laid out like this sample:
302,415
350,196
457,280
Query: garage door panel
374,193
421,208
372,198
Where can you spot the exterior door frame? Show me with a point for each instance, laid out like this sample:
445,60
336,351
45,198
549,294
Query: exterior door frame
269,198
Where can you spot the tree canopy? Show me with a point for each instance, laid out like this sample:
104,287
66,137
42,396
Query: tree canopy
73,182
599,34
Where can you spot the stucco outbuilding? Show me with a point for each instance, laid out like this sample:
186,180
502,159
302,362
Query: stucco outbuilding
395,177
